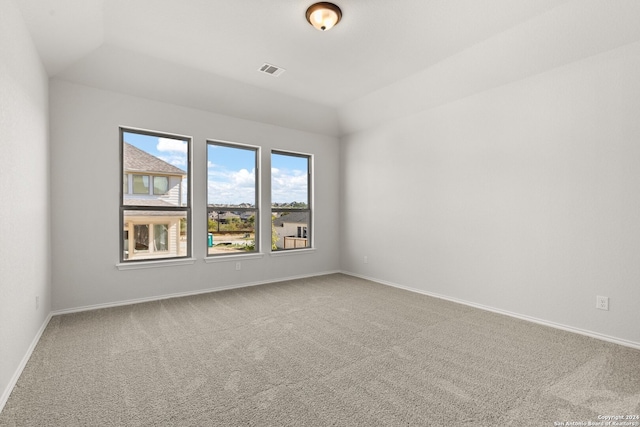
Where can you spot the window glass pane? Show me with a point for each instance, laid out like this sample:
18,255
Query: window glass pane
147,155
231,199
140,237
231,176
289,181
140,184
290,230
290,201
160,237
231,232
155,206
160,185
154,234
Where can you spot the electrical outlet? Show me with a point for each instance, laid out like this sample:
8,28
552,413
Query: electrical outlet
238,266
602,303
37,302
366,259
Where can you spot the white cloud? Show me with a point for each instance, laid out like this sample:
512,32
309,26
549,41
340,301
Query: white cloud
234,187
288,186
178,160
244,178
229,193
172,145
175,151
231,187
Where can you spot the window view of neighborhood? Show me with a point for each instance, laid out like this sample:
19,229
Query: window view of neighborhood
155,205
290,201
231,199
154,196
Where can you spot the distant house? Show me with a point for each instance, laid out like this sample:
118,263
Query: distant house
150,181
291,229
223,217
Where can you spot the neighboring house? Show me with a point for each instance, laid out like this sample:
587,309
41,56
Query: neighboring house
292,230
223,217
150,181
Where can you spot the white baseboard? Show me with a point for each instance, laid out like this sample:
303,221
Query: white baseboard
185,294
585,332
14,379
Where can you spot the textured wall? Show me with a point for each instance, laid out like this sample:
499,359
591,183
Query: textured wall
524,198
24,194
85,191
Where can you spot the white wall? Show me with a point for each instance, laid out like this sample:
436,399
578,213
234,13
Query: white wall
85,191
24,210
524,198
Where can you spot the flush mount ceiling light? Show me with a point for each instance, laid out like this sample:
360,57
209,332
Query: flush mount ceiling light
323,15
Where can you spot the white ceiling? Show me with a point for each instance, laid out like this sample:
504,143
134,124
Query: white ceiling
205,53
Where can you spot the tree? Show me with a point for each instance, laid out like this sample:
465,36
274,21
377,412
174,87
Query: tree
233,223
274,234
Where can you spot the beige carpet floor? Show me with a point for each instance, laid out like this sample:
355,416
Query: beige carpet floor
326,351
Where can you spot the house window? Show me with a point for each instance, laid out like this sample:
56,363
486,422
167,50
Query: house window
155,208
232,199
141,236
290,201
140,184
161,237
160,185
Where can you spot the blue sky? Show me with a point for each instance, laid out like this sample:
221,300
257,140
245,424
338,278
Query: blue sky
289,177
231,175
173,151
231,171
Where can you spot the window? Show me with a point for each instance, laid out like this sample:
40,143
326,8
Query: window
161,237
140,184
290,201
232,199
160,185
155,208
141,239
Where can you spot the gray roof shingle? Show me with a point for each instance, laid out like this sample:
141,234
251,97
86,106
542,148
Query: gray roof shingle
136,160
292,217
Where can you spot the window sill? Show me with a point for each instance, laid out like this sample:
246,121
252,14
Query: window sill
154,264
223,258
292,252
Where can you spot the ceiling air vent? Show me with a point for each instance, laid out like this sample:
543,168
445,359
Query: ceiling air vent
274,70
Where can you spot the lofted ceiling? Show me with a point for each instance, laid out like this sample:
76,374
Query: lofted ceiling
206,53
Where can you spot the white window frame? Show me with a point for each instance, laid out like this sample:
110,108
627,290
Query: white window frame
255,209
309,202
182,209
